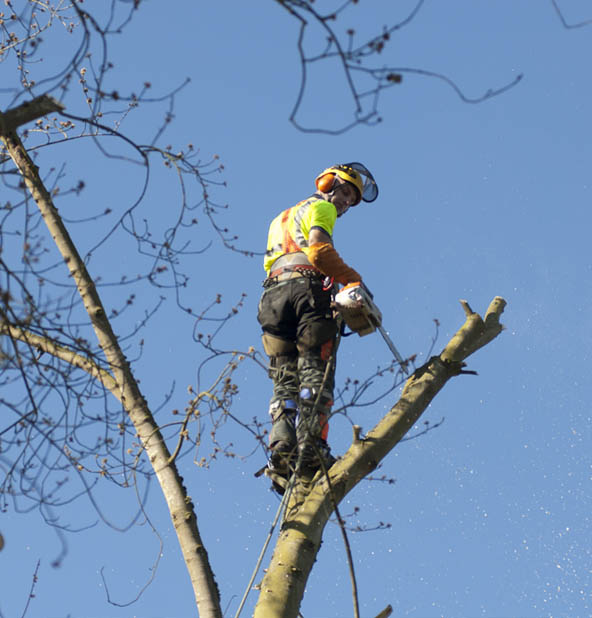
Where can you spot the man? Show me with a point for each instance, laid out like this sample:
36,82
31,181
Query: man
298,322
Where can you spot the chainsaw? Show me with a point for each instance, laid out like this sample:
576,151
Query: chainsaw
358,310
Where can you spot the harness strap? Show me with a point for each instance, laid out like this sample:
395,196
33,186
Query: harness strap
296,268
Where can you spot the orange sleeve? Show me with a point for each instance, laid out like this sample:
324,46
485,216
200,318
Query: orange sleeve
323,256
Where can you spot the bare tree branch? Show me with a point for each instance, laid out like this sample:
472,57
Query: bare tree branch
27,112
353,61
205,588
49,346
31,596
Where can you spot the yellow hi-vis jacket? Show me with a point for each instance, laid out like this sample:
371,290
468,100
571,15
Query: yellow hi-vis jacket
288,232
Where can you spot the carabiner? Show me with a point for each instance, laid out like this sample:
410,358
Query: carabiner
327,283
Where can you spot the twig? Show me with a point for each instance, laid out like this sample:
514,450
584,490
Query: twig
579,24
32,591
153,568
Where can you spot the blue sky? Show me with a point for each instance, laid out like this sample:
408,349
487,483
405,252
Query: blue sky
490,513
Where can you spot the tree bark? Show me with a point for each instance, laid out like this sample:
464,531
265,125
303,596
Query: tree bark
179,503
312,503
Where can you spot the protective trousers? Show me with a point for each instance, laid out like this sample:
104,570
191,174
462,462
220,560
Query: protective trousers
299,333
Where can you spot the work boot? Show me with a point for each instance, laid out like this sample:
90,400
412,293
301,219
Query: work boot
281,464
282,457
310,455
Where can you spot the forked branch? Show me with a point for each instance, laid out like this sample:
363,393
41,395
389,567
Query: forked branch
13,118
49,346
312,503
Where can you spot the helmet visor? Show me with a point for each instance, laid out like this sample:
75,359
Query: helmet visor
370,188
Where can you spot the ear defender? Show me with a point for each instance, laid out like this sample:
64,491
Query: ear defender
325,183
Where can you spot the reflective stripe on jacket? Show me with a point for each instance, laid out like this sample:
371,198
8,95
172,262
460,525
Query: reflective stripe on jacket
288,232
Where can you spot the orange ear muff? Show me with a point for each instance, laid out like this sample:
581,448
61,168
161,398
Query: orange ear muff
325,183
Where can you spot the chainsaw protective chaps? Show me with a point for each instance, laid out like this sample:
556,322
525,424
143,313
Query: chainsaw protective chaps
296,312
299,332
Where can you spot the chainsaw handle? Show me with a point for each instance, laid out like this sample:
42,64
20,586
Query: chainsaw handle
367,290
360,283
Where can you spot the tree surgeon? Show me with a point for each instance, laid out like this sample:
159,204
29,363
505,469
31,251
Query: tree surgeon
299,325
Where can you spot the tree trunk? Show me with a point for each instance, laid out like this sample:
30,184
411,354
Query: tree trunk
311,504
179,503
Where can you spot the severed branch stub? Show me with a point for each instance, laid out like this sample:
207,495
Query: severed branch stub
28,111
466,307
476,332
386,612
